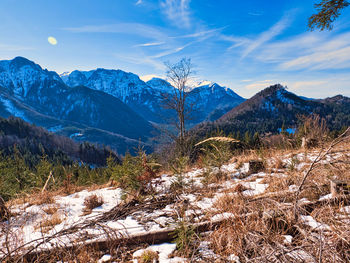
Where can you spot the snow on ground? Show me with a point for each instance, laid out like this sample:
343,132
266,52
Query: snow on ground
310,221
70,209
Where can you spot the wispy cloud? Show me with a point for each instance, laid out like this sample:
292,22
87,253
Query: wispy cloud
258,85
139,2
141,59
266,36
125,28
150,44
309,51
255,13
203,33
16,48
236,40
333,53
170,51
177,11
336,59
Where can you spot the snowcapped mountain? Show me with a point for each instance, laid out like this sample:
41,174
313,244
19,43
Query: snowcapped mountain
146,98
160,85
211,101
108,101
122,85
20,76
27,88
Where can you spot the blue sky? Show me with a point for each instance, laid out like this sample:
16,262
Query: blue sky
244,45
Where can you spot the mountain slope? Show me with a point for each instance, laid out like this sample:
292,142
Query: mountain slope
274,106
34,142
146,98
211,101
28,86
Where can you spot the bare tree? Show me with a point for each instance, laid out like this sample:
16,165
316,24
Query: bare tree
327,12
179,75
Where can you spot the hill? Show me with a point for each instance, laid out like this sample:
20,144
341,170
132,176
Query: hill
273,107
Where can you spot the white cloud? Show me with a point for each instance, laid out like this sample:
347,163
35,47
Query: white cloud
331,53
141,60
336,59
258,85
200,34
266,36
5,47
144,30
255,13
139,2
177,11
169,52
150,44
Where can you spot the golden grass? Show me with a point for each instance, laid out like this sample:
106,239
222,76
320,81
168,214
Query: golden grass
49,223
148,256
50,210
218,139
42,198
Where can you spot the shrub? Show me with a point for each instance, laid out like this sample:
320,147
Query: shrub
135,173
184,237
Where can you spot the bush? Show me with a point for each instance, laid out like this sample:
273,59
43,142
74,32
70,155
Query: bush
135,173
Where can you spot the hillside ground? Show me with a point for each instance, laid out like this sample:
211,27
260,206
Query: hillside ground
259,206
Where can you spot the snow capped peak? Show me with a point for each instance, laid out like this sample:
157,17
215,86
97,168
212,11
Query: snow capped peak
21,75
146,78
205,83
160,84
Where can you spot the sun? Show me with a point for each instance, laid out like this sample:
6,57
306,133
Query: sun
52,41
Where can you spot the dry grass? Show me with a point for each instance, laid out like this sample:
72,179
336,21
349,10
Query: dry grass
256,234
48,224
42,198
92,202
50,210
148,256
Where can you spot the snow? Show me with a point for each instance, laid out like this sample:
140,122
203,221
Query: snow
288,239
206,252
310,221
198,208
233,258
12,109
222,216
105,258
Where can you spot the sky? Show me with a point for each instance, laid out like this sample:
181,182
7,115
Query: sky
244,45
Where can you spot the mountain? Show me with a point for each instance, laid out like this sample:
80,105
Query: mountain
126,86
103,106
274,106
33,142
26,90
146,98
211,101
